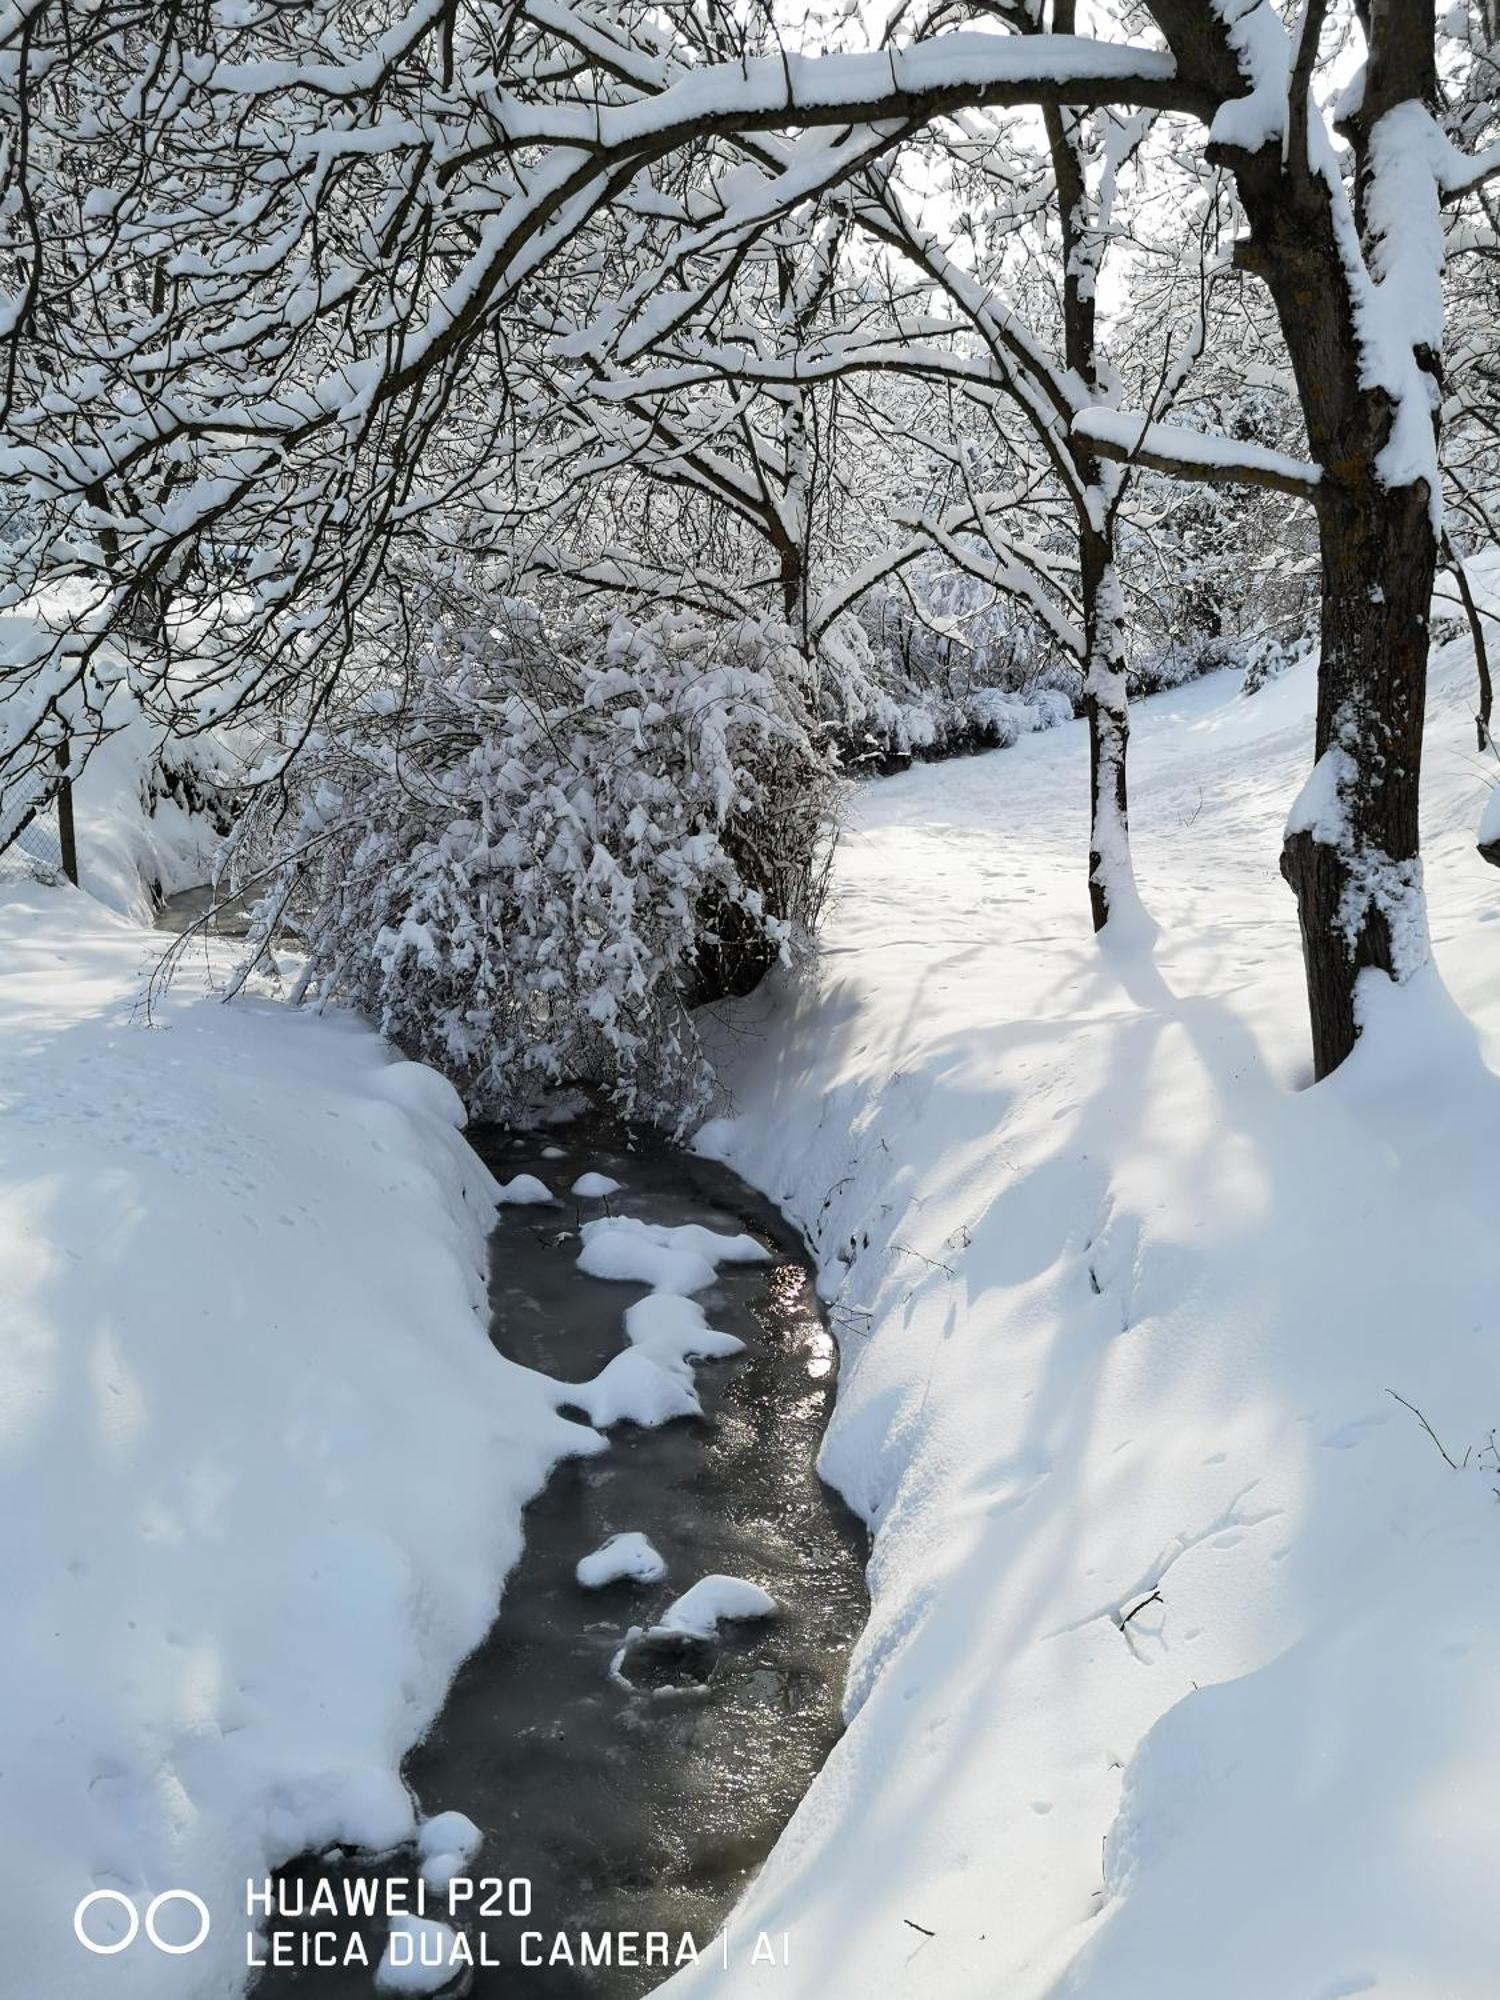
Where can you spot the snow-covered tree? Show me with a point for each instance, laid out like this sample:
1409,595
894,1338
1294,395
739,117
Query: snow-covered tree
290,289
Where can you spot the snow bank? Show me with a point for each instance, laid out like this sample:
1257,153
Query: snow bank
1179,1677
1285,1779
261,1470
136,840
1489,820
131,846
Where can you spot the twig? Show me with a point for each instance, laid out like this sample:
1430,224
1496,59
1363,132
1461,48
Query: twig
1155,1597
1426,1427
935,1263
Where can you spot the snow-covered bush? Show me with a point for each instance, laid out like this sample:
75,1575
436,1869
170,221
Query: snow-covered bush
531,862
1266,656
891,689
1221,577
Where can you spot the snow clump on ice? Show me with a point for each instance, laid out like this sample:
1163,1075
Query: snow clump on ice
628,1556
633,1389
418,1956
525,1191
715,1600
446,1844
671,1259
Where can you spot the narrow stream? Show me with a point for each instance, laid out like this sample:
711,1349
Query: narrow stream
630,1812
633,1813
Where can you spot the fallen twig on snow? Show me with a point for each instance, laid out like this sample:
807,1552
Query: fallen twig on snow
1449,1462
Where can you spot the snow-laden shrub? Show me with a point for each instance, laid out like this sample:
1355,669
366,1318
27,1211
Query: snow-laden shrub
1262,656
1004,718
1266,656
1156,669
868,720
194,774
883,709
530,865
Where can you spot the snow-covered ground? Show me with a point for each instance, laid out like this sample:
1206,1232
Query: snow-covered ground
261,1470
1180,1677
1180,1674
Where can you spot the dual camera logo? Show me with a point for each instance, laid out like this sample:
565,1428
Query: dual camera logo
105,1943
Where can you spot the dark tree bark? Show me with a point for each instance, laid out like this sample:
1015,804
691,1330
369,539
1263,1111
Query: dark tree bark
1351,854
1485,710
67,833
1357,878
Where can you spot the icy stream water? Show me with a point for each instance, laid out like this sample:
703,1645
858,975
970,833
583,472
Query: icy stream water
632,1813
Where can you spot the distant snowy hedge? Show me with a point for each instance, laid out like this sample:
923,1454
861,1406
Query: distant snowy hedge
532,862
892,691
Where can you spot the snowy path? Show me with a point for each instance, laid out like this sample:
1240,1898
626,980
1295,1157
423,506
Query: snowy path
1162,1570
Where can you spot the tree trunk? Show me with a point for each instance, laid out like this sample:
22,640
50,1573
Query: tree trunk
1485,711
793,580
1111,879
1351,851
1105,697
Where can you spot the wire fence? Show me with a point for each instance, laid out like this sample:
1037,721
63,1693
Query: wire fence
36,834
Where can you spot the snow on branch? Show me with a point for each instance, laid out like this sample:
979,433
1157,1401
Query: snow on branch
1010,568
767,92
1131,438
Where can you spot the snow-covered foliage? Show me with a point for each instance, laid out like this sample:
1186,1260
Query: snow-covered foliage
728,314
531,864
892,689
